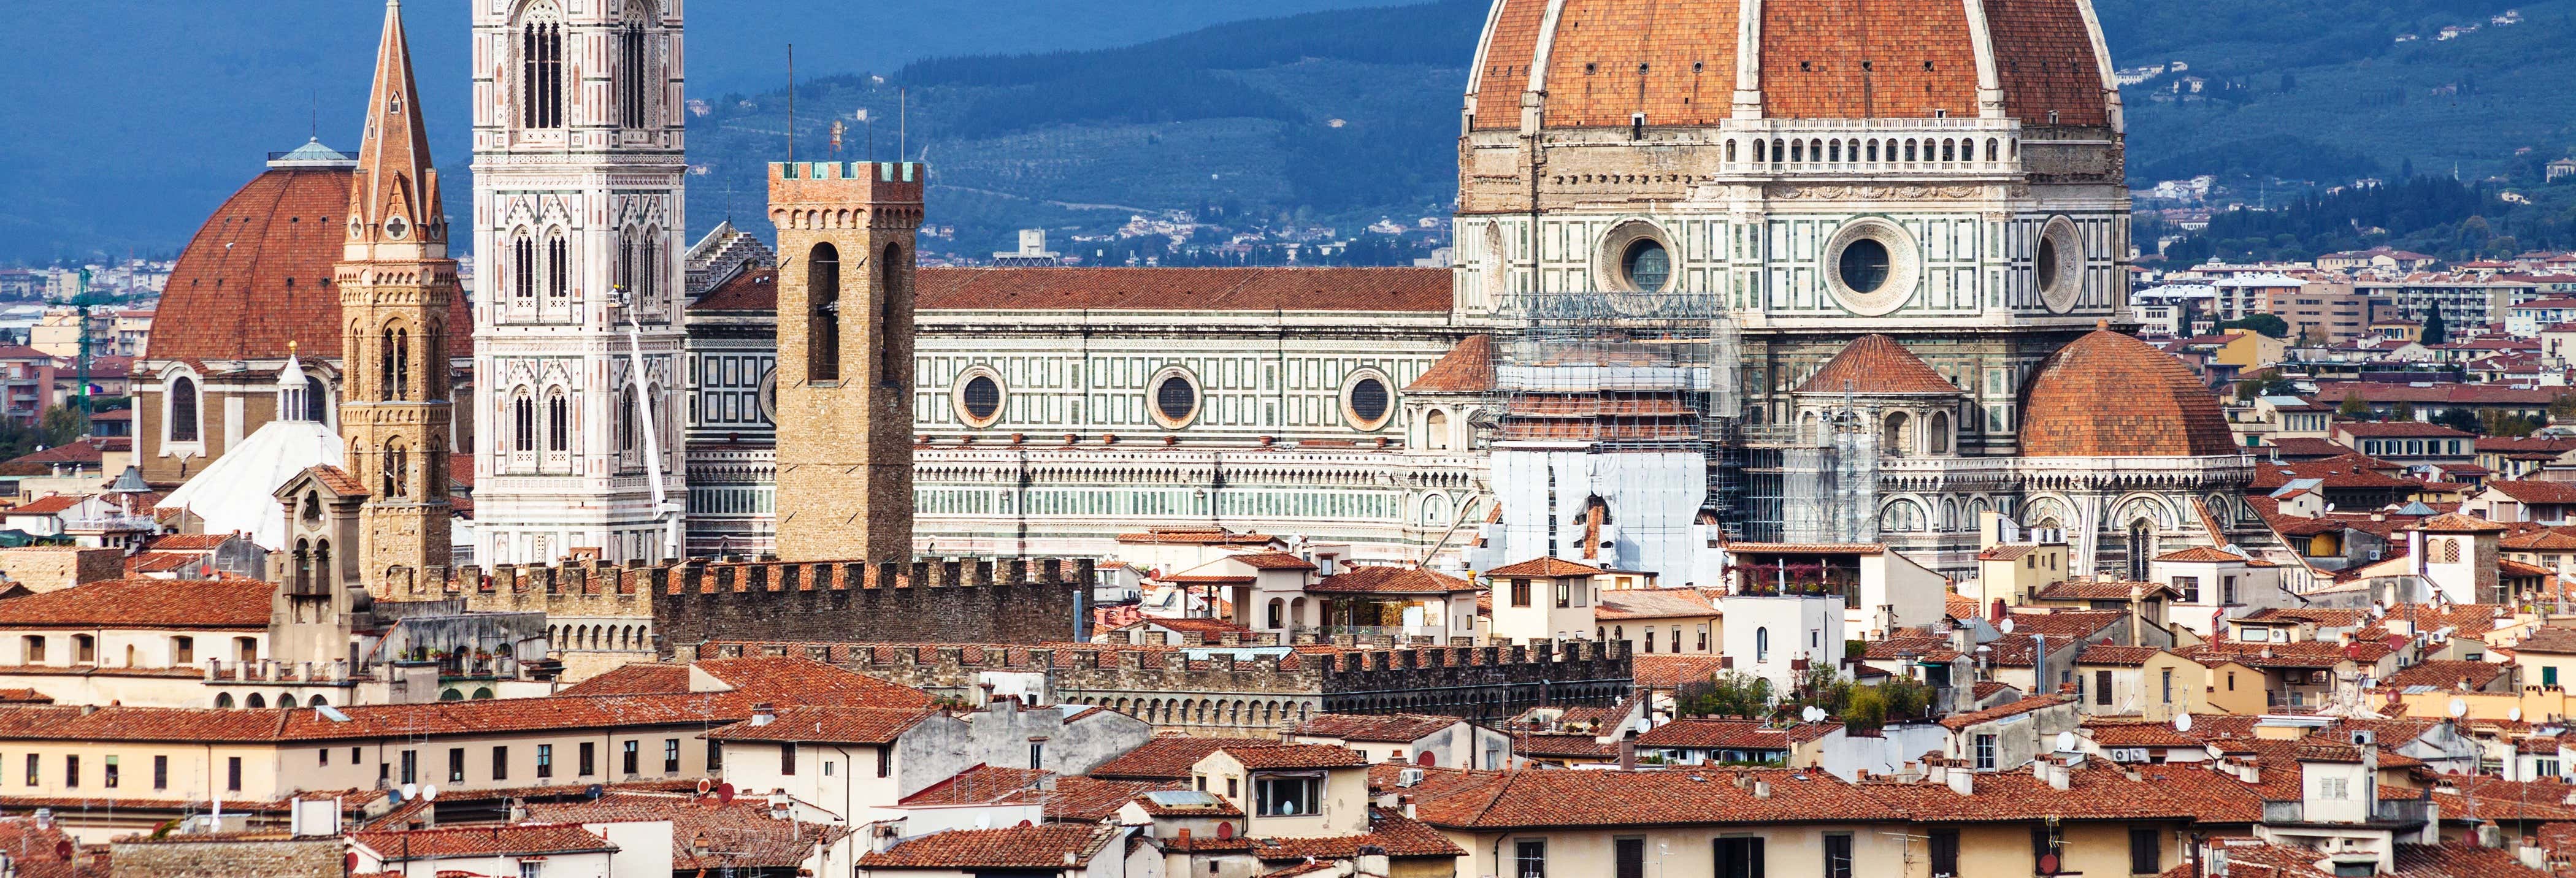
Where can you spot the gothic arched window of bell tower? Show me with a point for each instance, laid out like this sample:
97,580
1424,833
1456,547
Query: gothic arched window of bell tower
397,363
631,65
823,296
541,71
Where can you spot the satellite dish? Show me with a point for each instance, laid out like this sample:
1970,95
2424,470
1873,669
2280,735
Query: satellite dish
394,796
724,793
1812,713
411,791
984,821
2459,708
429,793
2066,742
2007,626
706,786
2182,722
2513,715
592,792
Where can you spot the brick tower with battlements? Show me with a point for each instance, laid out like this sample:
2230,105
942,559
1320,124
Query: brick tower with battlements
395,281
845,336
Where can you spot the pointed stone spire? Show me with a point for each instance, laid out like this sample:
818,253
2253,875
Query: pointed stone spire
394,200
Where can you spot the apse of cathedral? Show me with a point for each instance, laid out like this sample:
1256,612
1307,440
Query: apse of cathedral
1728,272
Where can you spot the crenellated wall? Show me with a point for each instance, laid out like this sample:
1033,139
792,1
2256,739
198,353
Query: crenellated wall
1235,688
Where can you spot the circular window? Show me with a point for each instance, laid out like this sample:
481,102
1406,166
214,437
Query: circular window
1646,265
1634,256
1870,266
982,397
396,227
1366,402
2057,264
979,397
1176,399
768,396
1863,267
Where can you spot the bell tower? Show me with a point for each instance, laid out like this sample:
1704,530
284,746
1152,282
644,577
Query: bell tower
395,282
845,298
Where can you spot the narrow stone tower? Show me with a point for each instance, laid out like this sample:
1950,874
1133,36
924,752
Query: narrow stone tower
395,280
845,294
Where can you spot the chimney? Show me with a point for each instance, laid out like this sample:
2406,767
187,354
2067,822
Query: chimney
1628,750
2251,771
763,714
1371,863
2060,775
1963,782
1761,789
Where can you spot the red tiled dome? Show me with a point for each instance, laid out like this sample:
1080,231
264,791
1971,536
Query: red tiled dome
258,274
1676,61
2109,395
1874,364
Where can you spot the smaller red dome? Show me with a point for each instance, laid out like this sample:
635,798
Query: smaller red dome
2109,395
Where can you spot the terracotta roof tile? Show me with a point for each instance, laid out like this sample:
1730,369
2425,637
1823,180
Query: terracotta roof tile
1510,47
524,839
836,725
1273,561
1538,798
1468,367
145,603
1546,567
1661,671
1918,53
1652,603
1398,728
2110,395
1277,755
1388,579
2109,654
1046,846
1877,364
1167,758
1957,721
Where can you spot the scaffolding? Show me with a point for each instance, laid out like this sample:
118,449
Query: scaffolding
1644,387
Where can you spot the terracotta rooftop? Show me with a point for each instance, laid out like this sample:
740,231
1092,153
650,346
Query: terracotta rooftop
1389,579
2110,395
1277,755
834,725
1732,734
1652,603
1876,364
1957,721
1399,728
1468,367
145,603
1525,799
2110,654
447,843
1168,757
1049,846
1546,567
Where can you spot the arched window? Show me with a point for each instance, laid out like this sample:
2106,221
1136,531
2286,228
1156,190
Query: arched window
1762,644
223,701
1939,427
322,565
627,419
397,462
523,423
631,63
316,406
625,268
523,266
397,363
558,423
183,409
1278,613
1892,434
541,71
1435,430
303,565
892,300
648,269
287,701
255,701
558,268
823,303
2142,546
1902,516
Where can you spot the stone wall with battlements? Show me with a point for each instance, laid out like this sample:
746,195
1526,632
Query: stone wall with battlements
1237,687
655,609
